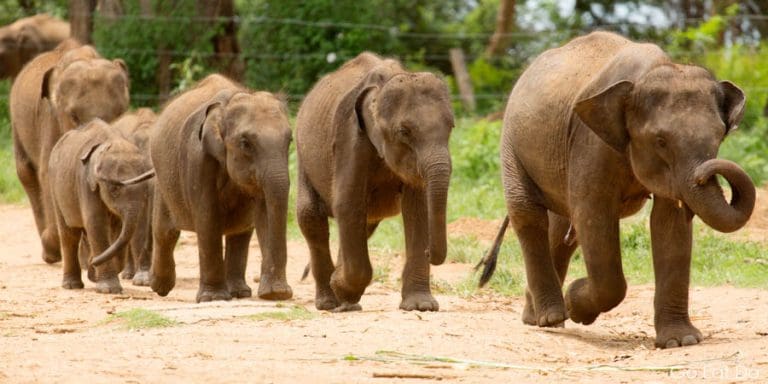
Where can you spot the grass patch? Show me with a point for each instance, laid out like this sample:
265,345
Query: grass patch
11,190
139,318
296,312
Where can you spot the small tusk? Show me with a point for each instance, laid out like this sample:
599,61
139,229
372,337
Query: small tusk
680,204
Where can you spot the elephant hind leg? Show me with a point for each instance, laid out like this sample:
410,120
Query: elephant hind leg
561,250
312,216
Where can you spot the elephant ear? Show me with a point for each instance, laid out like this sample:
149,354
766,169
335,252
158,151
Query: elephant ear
207,122
349,110
90,169
732,106
604,114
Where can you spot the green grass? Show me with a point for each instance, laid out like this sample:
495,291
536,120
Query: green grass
139,318
296,312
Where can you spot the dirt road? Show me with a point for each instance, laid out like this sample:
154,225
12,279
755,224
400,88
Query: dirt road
48,334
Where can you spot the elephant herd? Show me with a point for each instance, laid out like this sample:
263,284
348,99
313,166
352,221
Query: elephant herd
592,130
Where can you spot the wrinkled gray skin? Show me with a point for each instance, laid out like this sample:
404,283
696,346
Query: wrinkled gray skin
593,130
93,172
372,142
53,94
26,38
221,156
136,127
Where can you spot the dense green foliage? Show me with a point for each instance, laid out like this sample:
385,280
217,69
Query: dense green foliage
138,38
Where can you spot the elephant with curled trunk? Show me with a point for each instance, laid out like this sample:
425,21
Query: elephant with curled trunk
99,190
26,38
594,129
372,141
54,93
221,156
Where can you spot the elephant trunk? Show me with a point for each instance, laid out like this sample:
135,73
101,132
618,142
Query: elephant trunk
438,176
705,197
276,189
129,224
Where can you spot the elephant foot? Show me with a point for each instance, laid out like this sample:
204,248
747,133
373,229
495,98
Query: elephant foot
581,309
347,307
162,284
419,301
208,293
673,335
51,257
552,315
109,285
239,289
274,289
72,282
141,279
127,274
326,301
344,291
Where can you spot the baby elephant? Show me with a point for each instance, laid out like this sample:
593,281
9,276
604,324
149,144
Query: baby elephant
221,156
372,140
594,129
97,187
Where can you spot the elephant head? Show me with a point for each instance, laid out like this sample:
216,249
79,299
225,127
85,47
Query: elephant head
116,169
670,123
248,135
408,119
84,86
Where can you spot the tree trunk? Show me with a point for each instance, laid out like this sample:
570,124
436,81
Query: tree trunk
505,20
462,79
110,9
227,50
81,19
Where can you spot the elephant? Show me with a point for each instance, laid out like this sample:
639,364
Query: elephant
26,38
221,156
54,93
372,142
98,188
591,131
136,126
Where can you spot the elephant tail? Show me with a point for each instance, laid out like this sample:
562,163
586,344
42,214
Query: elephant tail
491,258
305,273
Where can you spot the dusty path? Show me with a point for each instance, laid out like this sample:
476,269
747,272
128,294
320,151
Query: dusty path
48,334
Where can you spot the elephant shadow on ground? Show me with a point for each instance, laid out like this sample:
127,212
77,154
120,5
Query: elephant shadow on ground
623,341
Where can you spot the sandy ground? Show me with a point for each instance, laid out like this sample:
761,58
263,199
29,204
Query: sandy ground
48,334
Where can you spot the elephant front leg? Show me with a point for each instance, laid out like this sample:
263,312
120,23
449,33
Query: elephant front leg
235,260
70,237
213,284
353,271
32,186
671,238
597,227
162,273
416,294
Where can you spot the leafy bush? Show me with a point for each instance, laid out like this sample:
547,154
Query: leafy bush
137,40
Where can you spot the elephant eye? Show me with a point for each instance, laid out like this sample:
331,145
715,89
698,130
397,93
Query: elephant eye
245,144
661,142
114,189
